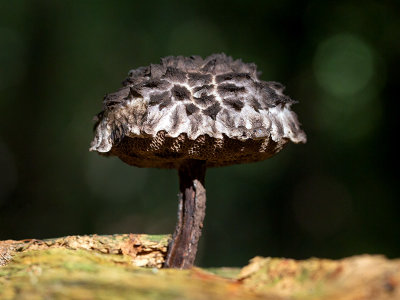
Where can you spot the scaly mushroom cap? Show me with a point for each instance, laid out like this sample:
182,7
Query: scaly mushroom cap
213,109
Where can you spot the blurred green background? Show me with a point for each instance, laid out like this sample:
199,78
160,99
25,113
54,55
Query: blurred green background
333,197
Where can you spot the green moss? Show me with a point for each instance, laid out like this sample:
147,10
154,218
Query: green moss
230,273
60,273
71,266
304,275
63,273
160,238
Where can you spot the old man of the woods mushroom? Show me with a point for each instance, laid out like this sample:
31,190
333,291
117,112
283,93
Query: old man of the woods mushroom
189,113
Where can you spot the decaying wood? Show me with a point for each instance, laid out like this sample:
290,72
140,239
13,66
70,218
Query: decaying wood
144,250
106,267
191,212
359,277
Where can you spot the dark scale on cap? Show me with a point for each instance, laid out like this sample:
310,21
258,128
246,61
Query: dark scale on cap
191,109
198,118
133,93
254,104
110,100
180,92
229,89
175,74
156,70
204,100
167,101
270,97
204,89
235,103
232,76
111,103
139,72
118,133
212,111
155,83
218,64
156,99
136,76
227,118
175,118
199,79
128,81
276,86
210,66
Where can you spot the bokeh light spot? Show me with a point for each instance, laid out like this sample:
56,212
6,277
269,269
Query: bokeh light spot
350,119
343,65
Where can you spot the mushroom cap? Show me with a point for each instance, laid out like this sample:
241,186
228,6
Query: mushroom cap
214,109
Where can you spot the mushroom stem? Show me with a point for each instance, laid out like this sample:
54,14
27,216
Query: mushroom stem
191,211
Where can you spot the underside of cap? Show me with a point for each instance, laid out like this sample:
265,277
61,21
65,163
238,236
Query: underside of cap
162,151
216,105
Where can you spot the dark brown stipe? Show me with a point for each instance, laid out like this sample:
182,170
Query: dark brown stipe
191,212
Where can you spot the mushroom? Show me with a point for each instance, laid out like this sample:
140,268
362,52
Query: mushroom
189,113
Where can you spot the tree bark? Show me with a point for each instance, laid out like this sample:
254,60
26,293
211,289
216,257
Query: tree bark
191,212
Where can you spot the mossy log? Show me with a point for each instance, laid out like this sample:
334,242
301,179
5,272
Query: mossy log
128,267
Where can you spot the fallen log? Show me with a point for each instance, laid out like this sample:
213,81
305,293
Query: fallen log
129,266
